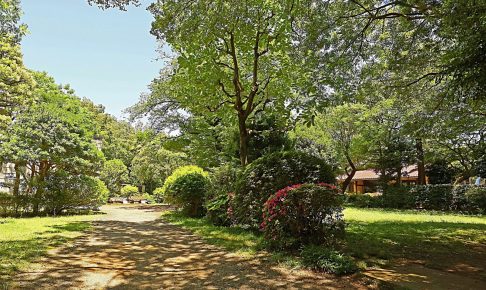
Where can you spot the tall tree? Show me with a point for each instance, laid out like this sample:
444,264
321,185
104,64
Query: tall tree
341,130
51,136
231,56
10,14
16,83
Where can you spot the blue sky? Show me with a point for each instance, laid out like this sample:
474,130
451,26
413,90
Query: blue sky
108,56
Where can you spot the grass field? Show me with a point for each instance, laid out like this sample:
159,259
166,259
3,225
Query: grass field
376,237
437,240
25,239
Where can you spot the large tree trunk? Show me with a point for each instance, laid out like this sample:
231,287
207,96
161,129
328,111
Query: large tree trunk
351,174
43,170
420,161
16,187
243,141
398,178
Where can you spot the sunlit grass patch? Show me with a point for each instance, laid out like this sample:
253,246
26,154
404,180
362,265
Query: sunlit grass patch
435,238
22,240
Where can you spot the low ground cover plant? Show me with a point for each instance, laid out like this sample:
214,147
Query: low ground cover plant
327,260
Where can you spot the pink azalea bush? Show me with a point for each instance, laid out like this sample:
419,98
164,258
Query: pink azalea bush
303,214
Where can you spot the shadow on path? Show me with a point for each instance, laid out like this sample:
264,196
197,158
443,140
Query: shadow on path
130,248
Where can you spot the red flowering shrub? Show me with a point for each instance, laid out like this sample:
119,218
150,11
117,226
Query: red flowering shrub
263,177
303,214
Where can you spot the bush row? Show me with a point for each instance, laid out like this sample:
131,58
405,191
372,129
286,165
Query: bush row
442,197
61,192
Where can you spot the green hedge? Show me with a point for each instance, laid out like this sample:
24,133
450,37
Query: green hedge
441,197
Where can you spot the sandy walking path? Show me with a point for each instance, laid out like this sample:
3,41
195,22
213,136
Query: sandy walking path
132,248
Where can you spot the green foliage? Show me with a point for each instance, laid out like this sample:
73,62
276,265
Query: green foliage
10,14
303,214
120,4
153,163
327,260
439,197
129,190
270,173
159,194
150,198
397,197
476,199
114,174
432,196
363,200
440,172
480,161
267,134
53,139
231,73
16,83
187,188
6,202
223,180
65,191
340,131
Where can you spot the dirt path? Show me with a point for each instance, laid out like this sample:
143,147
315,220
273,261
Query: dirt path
131,248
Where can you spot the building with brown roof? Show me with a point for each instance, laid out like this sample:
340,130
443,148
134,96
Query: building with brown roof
366,181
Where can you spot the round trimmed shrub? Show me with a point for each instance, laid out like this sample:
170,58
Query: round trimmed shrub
266,175
129,190
303,214
186,189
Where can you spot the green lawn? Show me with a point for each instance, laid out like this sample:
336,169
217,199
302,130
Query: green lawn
376,236
438,240
24,239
